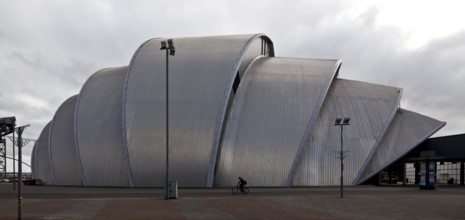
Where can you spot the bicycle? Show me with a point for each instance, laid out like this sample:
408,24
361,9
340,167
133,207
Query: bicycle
235,190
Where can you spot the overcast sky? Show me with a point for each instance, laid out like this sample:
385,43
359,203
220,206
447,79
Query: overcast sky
49,48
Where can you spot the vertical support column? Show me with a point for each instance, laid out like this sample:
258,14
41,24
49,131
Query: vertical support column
14,161
417,173
342,165
20,171
167,195
3,158
168,48
462,173
389,175
427,172
404,175
20,130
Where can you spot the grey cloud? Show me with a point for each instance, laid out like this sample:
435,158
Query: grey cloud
431,76
49,48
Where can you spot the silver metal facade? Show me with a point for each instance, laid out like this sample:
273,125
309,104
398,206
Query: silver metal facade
257,46
407,130
235,110
33,161
64,163
201,76
42,155
270,114
370,108
98,129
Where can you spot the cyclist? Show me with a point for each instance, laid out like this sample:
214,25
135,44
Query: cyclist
241,183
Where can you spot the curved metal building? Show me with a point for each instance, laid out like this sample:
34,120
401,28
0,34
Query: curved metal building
98,130
201,77
66,170
275,106
371,108
41,167
234,110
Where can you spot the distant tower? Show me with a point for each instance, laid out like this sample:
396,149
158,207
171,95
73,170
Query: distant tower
7,126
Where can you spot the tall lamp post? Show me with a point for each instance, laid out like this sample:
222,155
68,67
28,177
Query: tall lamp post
20,130
14,162
342,122
170,50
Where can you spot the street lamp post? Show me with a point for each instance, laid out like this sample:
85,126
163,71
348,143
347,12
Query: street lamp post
14,162
170,50
342,122
20,171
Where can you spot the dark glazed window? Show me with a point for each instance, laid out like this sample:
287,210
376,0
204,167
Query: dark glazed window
237,80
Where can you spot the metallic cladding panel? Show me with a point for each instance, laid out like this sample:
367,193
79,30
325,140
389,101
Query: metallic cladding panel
268,119
119,121
370,108
33,161
407,130
378,141
44,171
257,46
98,129
199,74
311,122
64,164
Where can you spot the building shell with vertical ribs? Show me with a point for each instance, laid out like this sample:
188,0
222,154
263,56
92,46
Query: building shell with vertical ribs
234,110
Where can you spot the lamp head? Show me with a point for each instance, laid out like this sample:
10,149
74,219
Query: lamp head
170,43
346,121
163,45
171,47
342,121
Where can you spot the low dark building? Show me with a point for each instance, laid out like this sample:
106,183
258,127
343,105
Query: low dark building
445,155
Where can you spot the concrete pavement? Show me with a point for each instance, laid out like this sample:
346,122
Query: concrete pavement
362,202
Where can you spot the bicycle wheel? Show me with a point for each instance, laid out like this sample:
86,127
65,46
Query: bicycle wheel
235,190
246,190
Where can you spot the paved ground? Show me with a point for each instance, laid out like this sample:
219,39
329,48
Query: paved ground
363,202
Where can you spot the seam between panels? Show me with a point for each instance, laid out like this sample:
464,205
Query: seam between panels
124,140
407,150
310,124
222,112
76,141
379,140
50,149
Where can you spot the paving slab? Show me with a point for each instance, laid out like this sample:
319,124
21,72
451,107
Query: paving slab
360,202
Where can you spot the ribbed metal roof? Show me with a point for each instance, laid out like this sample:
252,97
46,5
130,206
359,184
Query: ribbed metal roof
64,164
407,130
275,104
34,170
234,110
42,157
98,129
370,107
201,78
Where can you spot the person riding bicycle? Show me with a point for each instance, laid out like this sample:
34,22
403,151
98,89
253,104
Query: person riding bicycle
241,183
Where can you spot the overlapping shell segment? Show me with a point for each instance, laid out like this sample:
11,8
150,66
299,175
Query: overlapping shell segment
234,109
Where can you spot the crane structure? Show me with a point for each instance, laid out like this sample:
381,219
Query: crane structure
7,126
